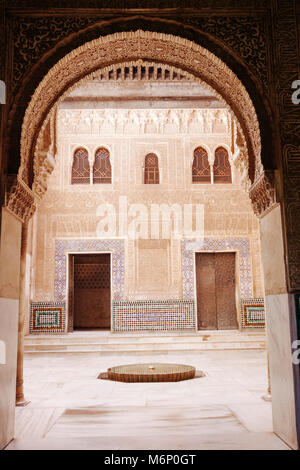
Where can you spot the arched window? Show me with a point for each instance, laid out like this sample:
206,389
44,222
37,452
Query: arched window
151,169
102,167
222,169
80,167
201,168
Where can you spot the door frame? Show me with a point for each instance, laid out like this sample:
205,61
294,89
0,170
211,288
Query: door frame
237,284
70,308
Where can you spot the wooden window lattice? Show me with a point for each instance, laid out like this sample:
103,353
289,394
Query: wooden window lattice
151,169
222,168
92,276
102,167
80,167
201,168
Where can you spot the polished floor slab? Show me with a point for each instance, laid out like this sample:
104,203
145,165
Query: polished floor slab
232,441
71,409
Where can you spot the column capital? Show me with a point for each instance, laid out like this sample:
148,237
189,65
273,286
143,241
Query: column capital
263,193
19,198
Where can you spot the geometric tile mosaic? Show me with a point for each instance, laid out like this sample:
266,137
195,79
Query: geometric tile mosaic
47,317
65,246
252,313
148,315
191,246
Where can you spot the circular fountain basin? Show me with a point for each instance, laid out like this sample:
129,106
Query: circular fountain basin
151,372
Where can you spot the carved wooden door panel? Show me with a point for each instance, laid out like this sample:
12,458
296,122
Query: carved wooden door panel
71,294
215,280
92,291
225,291
206,291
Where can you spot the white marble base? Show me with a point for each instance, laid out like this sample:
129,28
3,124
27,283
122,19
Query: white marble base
8,365
281,368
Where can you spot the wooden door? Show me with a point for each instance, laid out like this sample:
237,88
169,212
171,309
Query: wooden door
91,298
225,291
206,291
71,294
215,280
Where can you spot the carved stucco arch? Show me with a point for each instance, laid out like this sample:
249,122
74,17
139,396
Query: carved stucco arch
103,53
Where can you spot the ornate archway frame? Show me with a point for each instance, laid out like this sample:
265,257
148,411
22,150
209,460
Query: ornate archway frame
107,53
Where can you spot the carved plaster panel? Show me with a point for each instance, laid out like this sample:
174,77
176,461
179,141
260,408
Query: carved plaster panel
122,47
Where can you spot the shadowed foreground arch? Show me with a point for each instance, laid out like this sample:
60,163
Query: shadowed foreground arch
107,53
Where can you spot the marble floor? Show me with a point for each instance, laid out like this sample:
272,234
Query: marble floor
71,409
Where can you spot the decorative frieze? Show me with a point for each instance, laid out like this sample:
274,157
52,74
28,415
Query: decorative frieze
140,121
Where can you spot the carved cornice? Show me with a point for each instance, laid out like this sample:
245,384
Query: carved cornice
263,193
20,200
88,120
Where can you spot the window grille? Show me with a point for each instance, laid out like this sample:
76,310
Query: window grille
151,169
102,167
80,167
222,168
201,168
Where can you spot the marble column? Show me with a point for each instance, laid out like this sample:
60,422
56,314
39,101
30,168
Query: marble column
23,307
281,328
10,247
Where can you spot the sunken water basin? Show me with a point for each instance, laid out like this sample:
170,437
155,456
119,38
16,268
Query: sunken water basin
154,372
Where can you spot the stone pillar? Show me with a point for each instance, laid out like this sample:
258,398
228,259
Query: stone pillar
285,70
10,248
281,327
23,307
